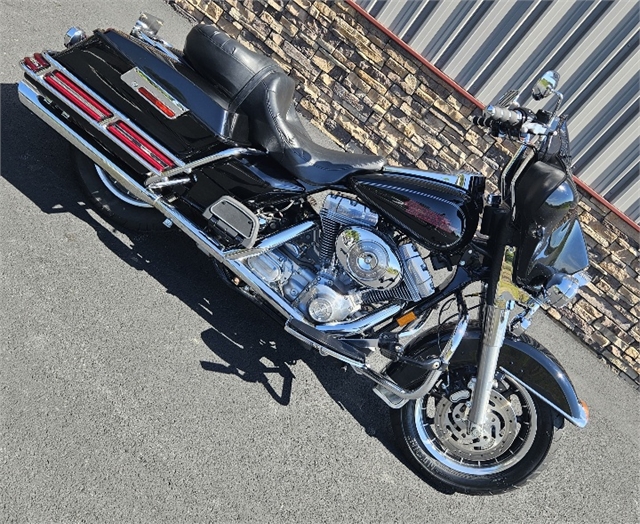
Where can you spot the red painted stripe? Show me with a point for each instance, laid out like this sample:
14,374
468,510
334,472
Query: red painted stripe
450,82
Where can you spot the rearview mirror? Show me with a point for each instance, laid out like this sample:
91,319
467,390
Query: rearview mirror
546,85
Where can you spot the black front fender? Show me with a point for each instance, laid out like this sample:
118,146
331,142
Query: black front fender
522,358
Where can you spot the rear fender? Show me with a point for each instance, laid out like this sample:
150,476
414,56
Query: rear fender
522,358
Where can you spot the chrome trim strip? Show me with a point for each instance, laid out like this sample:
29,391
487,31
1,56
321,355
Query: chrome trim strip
578,421
136,78
102,125
461,179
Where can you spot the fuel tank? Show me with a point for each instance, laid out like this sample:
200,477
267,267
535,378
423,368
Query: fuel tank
438,210
164,96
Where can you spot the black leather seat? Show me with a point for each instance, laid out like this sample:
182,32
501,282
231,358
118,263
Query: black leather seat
255,85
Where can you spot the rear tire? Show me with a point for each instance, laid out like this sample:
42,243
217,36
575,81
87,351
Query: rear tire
112,201
432,433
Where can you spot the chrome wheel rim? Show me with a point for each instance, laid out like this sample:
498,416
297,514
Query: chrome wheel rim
507,437
118,191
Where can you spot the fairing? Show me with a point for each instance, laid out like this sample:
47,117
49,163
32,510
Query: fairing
550,237
562,251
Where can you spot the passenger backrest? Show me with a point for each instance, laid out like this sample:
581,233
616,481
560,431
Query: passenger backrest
226,63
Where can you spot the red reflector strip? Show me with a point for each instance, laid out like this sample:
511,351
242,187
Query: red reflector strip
77,96
41,60
140,146
156,102
36,62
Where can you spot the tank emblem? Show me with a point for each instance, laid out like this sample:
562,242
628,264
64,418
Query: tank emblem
428,216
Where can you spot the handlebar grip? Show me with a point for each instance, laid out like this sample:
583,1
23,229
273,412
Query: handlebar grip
505,116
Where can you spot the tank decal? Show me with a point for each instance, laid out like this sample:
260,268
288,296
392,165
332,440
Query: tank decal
439,215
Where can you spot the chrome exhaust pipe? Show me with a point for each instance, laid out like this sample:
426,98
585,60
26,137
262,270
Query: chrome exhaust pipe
30,97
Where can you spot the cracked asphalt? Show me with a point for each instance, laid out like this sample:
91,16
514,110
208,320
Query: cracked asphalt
136,387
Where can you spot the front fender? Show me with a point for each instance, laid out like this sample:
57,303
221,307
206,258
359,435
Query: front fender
522,358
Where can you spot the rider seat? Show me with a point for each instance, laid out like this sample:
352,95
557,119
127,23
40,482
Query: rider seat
256,86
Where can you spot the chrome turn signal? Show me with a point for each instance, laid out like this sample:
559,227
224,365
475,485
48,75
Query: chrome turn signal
73,36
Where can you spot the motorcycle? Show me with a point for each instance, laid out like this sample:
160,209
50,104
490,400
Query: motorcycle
342,247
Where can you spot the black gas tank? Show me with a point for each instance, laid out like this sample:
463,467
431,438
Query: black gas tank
439,210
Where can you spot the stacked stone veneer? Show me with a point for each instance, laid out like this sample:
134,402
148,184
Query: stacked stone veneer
369,95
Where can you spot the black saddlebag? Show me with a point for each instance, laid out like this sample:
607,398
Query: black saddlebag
192,117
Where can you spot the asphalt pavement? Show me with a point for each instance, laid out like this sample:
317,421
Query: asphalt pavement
136,387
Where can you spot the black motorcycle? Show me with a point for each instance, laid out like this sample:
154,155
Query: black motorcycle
343,248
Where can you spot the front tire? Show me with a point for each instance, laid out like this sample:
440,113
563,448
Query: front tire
432,433
112,201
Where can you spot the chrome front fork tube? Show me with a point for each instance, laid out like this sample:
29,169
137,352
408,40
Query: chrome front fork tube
495,326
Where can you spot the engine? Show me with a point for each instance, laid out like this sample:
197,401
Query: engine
346,268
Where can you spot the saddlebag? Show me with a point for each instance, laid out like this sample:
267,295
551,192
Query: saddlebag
162,95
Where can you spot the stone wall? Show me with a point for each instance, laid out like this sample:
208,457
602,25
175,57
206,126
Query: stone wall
370,95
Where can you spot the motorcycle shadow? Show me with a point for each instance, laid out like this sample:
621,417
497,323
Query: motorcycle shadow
44,174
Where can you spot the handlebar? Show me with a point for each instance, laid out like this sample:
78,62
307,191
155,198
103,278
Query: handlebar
500,115
520,121
505,116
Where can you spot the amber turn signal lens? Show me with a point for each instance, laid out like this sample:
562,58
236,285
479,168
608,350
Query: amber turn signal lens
405,319
585,407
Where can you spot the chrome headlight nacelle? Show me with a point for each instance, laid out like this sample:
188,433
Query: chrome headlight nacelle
562,288
560,291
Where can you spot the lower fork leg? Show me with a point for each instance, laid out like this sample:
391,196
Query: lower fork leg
495,327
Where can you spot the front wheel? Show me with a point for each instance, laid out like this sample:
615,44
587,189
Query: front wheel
433,434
